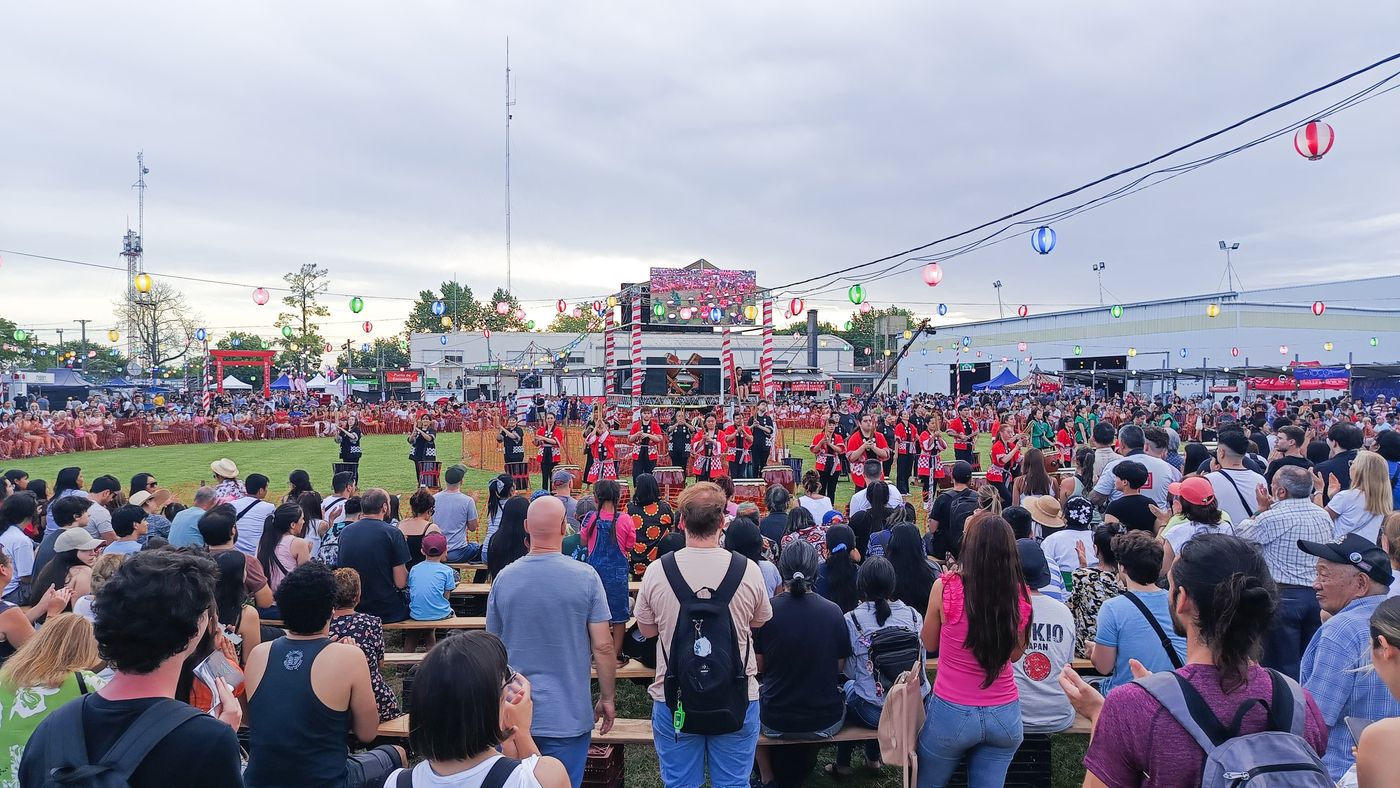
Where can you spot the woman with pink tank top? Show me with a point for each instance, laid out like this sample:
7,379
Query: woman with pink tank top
979,620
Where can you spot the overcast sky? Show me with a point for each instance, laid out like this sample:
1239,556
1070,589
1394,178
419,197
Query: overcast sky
791,138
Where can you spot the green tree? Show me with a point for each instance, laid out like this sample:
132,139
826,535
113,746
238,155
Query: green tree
507,322
459,305
383,353
862,333
587,322
800,329
103,365
302,350
15,353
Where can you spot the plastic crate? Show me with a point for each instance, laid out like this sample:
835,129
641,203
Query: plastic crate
604,768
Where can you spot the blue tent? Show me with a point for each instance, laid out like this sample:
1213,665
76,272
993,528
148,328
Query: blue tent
281,384
119,382
1006,378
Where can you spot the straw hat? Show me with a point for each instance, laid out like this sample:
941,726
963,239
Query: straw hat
161,497
224,468
1045,510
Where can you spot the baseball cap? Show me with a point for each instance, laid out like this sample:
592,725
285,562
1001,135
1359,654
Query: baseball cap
1193,489
434,544
833,517
454,474
75,539
561,477
1033,563
1132,472
1355,550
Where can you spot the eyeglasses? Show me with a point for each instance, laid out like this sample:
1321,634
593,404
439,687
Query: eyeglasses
150,484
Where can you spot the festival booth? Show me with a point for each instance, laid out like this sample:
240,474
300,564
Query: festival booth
1005,379
318,383
67,384
282,383
1037,382
230,383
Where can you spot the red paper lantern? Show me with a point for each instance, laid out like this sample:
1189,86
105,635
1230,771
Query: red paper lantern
1022,310
328,348
1318,308
486,333
562,306
1234,351
597,306
932,274
1021,346
368,326
797,306
1313,140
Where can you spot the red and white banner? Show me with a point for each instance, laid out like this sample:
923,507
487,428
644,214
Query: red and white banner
401,376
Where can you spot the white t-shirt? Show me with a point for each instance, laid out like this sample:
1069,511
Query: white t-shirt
1183,532
251,522
1352,517
1044,707
818,506
1160,473
1230,484
20,549
425,777
860,503
1060,552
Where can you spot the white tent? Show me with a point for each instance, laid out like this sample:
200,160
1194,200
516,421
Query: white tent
318,383
232,383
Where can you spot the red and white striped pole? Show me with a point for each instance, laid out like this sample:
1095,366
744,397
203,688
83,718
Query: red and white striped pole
208,398
637,355
609,352
765,363
727,361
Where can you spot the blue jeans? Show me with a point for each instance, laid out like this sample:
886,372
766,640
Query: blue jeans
683,756
572,751
471,552
1297,618
862,712
988,735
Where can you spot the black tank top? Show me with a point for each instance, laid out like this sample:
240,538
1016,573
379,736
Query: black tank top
297,739
7,649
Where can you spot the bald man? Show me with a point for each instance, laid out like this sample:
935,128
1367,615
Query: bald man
552,614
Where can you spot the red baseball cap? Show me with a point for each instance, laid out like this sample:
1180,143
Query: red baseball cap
1194,489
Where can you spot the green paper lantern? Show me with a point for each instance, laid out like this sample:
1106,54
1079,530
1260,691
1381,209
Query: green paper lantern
850,325
264,344
659,310
21,335
530,325
856,294
1116,311
1078,351
1375,341
357,305
287,332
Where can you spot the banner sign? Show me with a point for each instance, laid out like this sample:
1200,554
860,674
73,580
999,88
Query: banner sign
1320,373
395,376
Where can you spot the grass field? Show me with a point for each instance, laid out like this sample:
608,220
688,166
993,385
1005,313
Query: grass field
386,464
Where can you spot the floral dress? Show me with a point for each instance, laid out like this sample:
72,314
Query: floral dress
654,521
368,633
1092,587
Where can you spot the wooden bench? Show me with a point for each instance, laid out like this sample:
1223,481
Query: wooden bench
482,589
456,622
470,567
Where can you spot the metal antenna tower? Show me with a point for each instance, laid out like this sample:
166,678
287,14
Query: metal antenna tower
132,251
510,102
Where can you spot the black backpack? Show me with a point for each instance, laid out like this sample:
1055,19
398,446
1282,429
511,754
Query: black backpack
707,684
115,767
948,540
891,650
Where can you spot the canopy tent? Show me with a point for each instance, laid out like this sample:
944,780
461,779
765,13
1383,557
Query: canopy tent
1037,381
67,377
318,383
281,384
1006,378
119,382
232,383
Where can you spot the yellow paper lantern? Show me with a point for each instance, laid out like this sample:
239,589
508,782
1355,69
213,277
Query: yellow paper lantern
142,283
113,335
908,334
1132,352
612,300
1213,310
446,322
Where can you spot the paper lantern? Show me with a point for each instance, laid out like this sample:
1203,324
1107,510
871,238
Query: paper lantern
1116,311
368,326
519,314
849,326
200,334
750,312
888,352
1374,341
21,335
294,347
932,274
1213,310
942,309
1327,346
1022,310
92,354
264,344
716,314
113,335
502,308
939,348
142,283
908,334
287,331
236,342
1283,349
364,348
796,306
867,351
1132,352
612,300
529,325
857,294
1318,308
486,333
357,304
446,321
1313,140
1181,352
966,341
923,351
1234,352
658,309
1078,351
1021,346
328,347
866,308
598,306
1043,239
442,340
439,308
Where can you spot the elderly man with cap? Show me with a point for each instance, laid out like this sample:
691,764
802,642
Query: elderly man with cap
227,488
1353,578
561,485
1044,706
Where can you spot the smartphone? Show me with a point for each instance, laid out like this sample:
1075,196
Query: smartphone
1356,725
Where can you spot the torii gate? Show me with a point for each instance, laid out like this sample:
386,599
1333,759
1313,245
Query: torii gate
243,358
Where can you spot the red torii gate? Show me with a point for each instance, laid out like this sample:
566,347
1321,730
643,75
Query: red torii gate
243,358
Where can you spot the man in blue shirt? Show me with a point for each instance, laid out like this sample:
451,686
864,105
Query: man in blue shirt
184,529
1353,578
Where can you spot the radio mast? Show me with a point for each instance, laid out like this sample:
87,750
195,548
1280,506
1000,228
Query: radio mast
132,251
510,102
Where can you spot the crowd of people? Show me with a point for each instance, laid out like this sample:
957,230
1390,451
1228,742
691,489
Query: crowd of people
1174,576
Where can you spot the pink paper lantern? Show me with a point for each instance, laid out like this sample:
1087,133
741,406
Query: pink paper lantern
502,308
1318,308
1021,346
866,308
260,296
932,274
576,312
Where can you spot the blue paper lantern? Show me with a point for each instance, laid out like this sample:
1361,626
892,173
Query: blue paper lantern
439,308
923,351
942,309
716,314
967,341
364,348
442,340
1043,239
236,342
1182,352
200,334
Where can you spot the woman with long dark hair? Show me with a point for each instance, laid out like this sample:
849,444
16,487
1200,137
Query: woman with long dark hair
979,620
836,578
297,483
1033,479
510,541
498,491
914,573
743,537
239,619
871,525
281,548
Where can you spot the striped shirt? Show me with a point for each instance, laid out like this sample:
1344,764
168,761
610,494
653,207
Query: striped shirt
1277,530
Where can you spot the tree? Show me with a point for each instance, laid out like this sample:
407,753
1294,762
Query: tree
302,350
800,329
507,322
587,322
383,353
459,305
163,324
105,364
862,333
243,340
